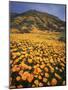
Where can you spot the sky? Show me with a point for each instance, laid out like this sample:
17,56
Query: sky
54,9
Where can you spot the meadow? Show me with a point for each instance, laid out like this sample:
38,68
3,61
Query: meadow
37,59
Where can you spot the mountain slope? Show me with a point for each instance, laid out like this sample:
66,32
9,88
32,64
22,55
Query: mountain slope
26,21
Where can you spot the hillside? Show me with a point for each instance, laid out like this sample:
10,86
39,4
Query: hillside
25,22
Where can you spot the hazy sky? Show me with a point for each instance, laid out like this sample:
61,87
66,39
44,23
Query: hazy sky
54,9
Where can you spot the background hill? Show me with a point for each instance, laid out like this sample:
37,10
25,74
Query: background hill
28,21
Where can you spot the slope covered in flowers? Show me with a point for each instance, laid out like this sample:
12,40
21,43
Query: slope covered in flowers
37,60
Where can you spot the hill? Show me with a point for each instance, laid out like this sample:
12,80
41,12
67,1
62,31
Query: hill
27,21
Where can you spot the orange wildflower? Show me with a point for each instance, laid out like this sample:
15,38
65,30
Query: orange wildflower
46,69
53,82
15,68
24,66
27,76
24,75
30,78
42,66
18,78
37,70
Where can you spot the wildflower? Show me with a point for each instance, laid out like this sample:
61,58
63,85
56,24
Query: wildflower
27,76
30,77
30,61
40,77
42,66
40,84
46,69
24,66
20,72
53,82
37,70
36,82
46,75
15,68
45,80
24,75
33,85
20,86
18,78
57,76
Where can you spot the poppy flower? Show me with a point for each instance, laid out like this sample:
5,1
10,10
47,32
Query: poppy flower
53,82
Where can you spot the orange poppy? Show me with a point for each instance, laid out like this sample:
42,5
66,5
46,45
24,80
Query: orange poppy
37,70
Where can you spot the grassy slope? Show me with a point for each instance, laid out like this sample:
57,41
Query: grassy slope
40,36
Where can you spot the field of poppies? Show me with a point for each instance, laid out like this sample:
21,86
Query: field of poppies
36,61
